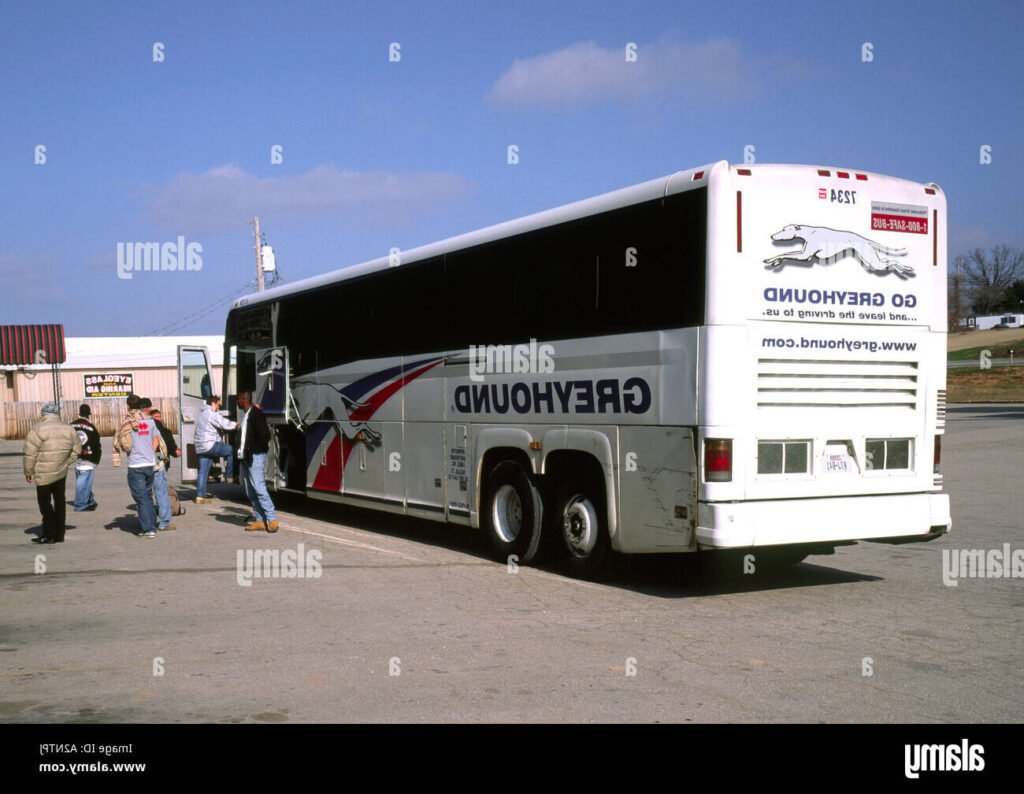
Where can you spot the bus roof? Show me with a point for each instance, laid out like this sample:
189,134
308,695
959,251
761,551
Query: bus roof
678,182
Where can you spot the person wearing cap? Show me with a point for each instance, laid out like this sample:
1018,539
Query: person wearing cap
88,460
138,437
50,448
160,483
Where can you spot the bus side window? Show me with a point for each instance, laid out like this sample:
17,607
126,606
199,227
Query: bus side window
653,265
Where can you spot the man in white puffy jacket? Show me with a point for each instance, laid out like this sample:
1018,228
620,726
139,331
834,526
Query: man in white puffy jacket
209,446
50,448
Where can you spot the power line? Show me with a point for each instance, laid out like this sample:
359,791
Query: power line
190,319
194,317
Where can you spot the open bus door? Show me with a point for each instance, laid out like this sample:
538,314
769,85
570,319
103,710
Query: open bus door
195,384
273,396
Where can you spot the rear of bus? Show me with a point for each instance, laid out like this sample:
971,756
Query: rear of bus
822,364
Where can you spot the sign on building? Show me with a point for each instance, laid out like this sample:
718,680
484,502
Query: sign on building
97,386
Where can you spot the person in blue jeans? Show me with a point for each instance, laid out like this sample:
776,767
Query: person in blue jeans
163,498
140,483
209,447
85,467
139,437
173,451
253,445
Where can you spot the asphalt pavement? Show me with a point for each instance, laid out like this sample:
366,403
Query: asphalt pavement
368,617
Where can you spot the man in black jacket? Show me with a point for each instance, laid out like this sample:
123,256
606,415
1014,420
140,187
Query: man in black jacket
254,442
85,468
172,445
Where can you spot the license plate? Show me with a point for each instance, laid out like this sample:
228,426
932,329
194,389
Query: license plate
837,460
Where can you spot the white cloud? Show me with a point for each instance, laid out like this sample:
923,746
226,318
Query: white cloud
586,73
226,197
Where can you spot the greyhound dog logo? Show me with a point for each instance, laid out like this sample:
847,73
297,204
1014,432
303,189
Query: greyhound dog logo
270,361
826,246
313,399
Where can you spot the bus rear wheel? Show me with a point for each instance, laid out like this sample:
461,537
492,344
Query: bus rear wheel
512,513
579,521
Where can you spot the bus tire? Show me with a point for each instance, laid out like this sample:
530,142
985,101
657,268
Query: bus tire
579,520
512,513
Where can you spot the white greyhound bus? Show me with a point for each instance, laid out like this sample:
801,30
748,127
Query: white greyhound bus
730,357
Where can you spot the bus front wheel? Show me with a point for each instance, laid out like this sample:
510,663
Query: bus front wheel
512,513
579,520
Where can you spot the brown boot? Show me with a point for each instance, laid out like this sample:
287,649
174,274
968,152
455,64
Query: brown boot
272,526
255,526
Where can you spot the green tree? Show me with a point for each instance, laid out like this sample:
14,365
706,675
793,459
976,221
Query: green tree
1013,300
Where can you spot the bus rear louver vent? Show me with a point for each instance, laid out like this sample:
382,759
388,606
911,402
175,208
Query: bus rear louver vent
821,383
940,409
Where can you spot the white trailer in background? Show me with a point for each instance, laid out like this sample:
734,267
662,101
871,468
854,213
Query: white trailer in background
988,321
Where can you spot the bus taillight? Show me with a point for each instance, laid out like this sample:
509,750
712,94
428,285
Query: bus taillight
938,452
718,460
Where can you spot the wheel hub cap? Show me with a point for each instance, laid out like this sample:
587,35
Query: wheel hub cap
579,526
508,513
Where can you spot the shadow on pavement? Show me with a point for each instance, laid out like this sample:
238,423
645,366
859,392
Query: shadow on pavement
128,524
659,575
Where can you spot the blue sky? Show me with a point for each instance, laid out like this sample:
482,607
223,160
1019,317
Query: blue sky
379,154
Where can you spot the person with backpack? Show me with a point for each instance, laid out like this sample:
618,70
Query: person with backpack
161,487
138,437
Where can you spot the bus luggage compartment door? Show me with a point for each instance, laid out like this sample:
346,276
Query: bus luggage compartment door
657,489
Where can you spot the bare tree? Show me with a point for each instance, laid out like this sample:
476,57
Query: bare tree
988,275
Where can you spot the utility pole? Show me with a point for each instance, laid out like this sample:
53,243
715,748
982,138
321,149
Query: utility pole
259,253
